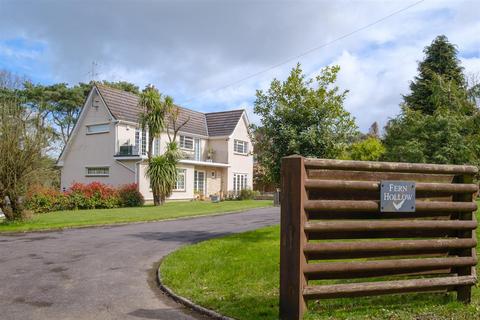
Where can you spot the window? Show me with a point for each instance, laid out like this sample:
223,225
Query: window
98,128
144,142
240,146
198,150
239,182
98,171
156,146
180,183
141,141
199,182
186,142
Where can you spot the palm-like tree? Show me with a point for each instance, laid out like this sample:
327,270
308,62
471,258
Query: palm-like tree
162,172
153,118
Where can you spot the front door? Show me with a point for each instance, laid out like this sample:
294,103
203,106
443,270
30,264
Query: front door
199,182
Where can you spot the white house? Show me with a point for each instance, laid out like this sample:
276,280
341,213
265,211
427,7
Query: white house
107,145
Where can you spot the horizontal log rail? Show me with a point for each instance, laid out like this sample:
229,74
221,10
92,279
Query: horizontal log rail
366,249
342,270
374,206
327,215
388,166
343,185
391,225
386,287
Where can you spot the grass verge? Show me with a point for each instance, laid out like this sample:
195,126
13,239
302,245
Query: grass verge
170,210
238,276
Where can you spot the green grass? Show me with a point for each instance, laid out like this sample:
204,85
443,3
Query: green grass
238,276
170,210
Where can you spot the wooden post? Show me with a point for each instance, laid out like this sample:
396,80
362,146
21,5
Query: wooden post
293,239
464,292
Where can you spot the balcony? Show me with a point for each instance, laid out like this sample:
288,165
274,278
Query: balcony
128,151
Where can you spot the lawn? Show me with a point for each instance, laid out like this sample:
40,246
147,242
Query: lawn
170,210
238,276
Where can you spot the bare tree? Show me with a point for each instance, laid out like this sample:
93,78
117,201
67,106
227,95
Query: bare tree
374,130
174,123
10,80
23,143
473,87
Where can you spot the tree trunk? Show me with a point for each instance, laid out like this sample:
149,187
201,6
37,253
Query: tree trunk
11,209
156,198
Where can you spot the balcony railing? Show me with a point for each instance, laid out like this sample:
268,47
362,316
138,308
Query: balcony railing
128,151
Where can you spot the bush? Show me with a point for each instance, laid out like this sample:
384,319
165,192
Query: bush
129,196
94,195
248,194
245,194
41,199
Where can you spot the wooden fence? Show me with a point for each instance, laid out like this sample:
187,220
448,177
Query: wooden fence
430,249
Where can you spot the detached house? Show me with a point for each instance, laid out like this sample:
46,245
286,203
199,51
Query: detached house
108,145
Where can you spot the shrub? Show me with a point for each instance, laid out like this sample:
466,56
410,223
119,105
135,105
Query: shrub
129,196
245,194
41,199
94,195
248,194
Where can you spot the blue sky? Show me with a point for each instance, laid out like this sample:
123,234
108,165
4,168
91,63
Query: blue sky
189,49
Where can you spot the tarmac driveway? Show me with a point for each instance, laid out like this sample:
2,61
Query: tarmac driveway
104,273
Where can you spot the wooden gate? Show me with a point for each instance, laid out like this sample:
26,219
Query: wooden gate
430,249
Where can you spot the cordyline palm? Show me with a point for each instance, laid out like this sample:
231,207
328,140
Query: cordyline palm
162,172
153,119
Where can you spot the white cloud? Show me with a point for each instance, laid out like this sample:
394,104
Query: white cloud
189,49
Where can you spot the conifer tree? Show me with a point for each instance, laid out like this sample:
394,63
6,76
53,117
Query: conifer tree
440,59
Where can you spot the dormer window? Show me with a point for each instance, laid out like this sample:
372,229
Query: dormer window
240,146
186,142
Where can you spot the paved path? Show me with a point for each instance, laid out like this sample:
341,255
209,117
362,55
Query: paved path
103,273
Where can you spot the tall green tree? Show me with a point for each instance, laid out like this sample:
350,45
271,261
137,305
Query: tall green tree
59,105
369,149
447,128
122,85
24,140
302,116
440,59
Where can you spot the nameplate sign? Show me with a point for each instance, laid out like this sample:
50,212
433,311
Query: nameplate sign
397,196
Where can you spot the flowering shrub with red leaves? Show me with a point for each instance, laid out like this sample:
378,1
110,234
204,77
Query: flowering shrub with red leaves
94,195
42,199
130,196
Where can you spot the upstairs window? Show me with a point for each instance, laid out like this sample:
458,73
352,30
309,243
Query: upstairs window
144,142
141,141
97,171
240,146
186,142
98,128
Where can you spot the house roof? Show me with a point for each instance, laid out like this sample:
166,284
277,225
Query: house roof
223,123
124,106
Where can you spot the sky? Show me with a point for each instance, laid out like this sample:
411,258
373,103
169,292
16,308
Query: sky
212,55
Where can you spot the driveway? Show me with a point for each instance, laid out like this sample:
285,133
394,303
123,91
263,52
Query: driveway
104,273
